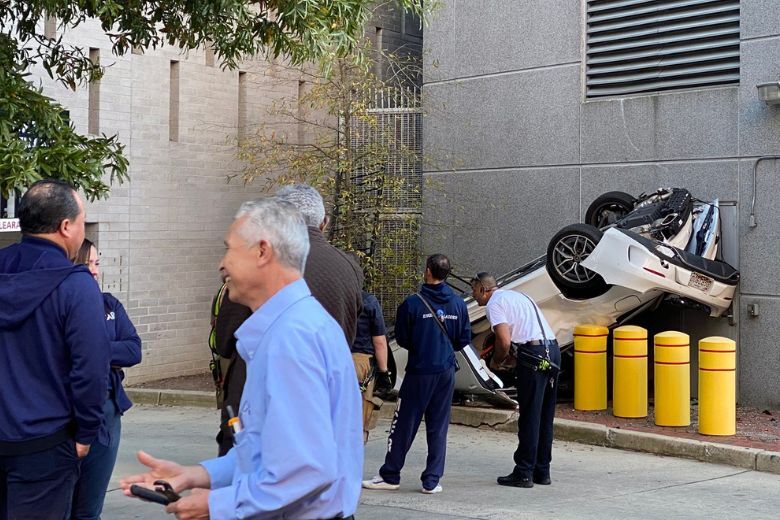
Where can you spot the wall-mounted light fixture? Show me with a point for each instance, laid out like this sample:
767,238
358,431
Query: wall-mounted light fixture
769,92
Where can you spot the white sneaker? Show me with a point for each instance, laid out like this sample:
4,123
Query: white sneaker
437,489
378,483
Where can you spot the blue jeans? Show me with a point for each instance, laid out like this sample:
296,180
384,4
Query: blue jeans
39,485
96,468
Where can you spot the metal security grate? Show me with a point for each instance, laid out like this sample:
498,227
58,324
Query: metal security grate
399,261
394,126
386,180
653,45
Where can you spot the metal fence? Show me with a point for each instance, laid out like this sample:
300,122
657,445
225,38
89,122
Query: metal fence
389,136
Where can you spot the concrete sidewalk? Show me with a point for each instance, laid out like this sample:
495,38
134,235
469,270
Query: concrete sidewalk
589,482
565,430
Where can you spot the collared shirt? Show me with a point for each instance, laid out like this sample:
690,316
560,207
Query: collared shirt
517,311
300,454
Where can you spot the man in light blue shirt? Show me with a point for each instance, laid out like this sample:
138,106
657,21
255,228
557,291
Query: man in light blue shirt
300,451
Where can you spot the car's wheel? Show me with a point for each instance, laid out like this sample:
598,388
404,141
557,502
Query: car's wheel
567,249
609,208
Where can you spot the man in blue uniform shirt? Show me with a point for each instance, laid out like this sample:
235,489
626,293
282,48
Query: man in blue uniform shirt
300,451
54,356
369,352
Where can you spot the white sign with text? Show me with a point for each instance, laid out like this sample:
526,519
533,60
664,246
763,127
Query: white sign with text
9,224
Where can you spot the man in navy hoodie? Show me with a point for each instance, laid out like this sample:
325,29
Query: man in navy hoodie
430,375
54,356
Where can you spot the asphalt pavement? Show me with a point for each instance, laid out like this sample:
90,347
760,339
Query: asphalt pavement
588,481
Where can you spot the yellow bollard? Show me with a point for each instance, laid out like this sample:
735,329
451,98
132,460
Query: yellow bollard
629,371
590,367
717,386
672,379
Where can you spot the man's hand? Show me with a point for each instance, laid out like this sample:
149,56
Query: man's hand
82,450
383,381
503,342
194,506
178,476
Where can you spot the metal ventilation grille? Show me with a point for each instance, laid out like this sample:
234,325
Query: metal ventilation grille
651,45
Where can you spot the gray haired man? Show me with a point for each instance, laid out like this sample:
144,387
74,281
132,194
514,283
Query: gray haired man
335,279
300,391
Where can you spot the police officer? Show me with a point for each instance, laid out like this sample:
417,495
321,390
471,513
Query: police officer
517,321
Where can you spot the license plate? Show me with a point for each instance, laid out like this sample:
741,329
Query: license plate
701,282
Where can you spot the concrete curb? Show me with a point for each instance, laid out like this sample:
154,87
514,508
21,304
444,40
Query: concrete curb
617,438
565,430
172,397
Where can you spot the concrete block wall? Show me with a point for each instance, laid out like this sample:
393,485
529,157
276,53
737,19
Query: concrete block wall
515,152
401,35
399,30
160,234
8,238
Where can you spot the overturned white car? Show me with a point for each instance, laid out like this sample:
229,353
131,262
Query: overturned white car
629,255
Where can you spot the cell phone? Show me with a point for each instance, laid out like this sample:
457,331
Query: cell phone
149,495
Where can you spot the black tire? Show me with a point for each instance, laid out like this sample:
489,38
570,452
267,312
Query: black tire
609,208
570,246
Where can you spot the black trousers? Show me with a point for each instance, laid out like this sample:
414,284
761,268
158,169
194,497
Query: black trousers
536,394
39,485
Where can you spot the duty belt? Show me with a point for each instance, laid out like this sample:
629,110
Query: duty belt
541,342
532,360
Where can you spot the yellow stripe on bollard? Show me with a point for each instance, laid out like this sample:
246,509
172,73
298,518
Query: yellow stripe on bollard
672,379
590,367
629,371
717,386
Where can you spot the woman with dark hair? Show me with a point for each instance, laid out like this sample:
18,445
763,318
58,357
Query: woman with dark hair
97,466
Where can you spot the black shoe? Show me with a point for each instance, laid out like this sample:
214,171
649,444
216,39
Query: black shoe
543,481
515,481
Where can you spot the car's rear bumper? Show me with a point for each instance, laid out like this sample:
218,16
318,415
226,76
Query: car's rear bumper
627,262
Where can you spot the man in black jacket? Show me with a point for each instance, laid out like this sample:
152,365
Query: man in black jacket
229,317
334,277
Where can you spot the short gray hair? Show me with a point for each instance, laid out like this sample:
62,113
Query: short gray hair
308,201
279,223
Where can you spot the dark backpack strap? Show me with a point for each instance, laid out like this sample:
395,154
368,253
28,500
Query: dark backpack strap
529,359
441,326
439,323
538,318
